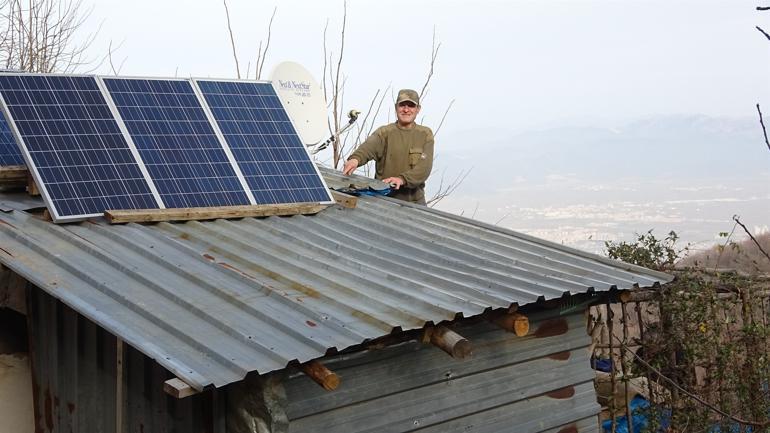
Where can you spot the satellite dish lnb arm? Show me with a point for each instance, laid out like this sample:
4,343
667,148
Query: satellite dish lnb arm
352,117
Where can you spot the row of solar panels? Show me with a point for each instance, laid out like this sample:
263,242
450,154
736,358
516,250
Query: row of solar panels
101,143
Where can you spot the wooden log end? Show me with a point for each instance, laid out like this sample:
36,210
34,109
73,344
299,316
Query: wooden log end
625,296
321,375
178,388
516,323
462,349
451,342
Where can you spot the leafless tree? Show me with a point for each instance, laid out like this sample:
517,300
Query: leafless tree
261,52
334,92
43,35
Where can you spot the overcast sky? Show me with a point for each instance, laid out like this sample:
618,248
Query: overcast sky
508,64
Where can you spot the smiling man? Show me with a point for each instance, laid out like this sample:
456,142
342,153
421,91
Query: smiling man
402,151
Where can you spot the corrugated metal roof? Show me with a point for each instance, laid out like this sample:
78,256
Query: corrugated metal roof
19,201
211,301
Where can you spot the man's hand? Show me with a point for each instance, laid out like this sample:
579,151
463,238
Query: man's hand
397,182
350,166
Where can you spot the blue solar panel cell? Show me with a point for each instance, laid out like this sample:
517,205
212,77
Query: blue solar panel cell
263,141
176,142
9,150
80,158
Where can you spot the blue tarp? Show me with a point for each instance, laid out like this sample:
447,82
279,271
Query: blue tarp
640,410
364,191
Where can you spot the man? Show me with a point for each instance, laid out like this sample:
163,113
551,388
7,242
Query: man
402,151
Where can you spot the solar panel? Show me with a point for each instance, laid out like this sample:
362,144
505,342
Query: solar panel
9,150
263,141
81,161
177,143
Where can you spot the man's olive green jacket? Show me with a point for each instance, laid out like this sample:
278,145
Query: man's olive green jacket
399,151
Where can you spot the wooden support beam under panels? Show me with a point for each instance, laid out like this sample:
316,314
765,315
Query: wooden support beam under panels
345,200
210,213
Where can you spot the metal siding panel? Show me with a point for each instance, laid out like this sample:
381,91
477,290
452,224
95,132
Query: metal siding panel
585,425
363,374
502,387
533,415
73,364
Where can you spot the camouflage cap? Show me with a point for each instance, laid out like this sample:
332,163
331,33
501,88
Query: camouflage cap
408,95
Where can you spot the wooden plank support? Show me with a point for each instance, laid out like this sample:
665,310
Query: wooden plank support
345,200
449,341
210,213
321,375
516,323
32,188
178,388
13,176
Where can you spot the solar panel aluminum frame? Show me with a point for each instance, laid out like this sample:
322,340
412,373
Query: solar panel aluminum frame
32,167
214,122
124,128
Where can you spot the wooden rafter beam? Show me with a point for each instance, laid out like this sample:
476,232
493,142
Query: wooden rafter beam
321,375
449,341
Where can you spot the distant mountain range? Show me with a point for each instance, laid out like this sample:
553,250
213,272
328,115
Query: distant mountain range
681,147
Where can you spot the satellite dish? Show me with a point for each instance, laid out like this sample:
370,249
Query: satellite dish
303,99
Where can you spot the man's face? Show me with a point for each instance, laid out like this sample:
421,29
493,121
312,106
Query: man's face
406,112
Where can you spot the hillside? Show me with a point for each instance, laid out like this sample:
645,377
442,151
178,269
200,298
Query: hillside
691,148
742,256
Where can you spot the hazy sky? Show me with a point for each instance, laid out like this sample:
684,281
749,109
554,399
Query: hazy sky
508,64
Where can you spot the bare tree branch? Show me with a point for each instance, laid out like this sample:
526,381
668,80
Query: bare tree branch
764,130
445,191
336,88
39,36
232,40
441,123
433,55
763,32
326,96
259,65
738,221
110,51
